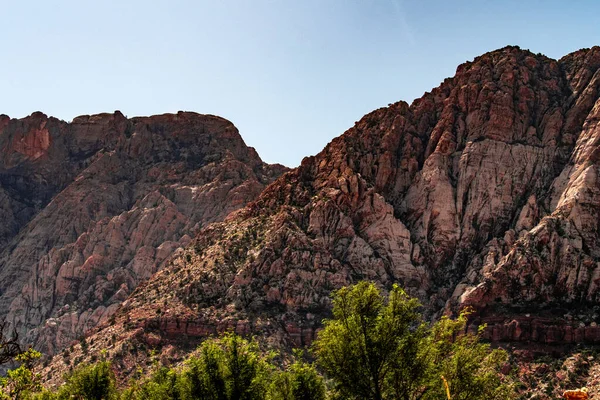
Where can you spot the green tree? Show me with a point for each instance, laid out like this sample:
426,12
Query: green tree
245,371
163,385
204,376
470,367
306,383
90,382
45,394
379,348
228,368
22,382
368,339
280,387
300,381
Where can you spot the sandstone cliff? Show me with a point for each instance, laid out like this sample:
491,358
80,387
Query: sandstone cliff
94,207
484,192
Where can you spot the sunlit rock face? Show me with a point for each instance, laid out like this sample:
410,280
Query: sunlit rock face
93,207
482,193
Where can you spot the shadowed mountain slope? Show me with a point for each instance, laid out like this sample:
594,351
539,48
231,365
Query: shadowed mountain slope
483,192
94,207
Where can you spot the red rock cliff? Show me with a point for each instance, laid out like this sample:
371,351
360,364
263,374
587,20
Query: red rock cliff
484,192
94,207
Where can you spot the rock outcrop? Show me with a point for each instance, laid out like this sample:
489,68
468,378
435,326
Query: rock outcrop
482,193
94,207
553,270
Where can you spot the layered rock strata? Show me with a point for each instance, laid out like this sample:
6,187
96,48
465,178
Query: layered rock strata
482,193
94,207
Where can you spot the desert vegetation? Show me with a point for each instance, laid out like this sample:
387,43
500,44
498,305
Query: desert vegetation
375,346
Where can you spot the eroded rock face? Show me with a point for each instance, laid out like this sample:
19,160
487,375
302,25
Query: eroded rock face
556,263
483,192
94,207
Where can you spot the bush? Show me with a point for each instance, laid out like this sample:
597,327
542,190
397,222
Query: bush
164,385
300,382
22,382
228,368
375,347
470,367
378,348
92,382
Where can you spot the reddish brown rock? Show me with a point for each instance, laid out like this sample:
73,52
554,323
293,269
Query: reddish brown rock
484,192
96,206
556,263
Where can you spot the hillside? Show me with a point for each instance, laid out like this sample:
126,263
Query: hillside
484,192
93,207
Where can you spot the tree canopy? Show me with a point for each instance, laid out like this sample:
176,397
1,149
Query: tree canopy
375,346
378,347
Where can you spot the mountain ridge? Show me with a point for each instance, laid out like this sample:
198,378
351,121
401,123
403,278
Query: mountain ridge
116,197
481,193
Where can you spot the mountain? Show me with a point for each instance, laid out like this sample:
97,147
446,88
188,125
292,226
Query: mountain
93,207
482,193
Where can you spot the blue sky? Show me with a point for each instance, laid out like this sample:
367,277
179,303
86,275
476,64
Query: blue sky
291,75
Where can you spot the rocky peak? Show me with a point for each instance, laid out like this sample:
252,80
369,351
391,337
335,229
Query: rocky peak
93,207
483,192
554,266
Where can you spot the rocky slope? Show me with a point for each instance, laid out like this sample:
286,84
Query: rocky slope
94,207
484,192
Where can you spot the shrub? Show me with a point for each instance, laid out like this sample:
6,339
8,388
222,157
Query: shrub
227,368
163,385
91,382
22,382
378,348
300,382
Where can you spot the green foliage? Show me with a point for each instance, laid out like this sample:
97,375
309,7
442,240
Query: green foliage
164,384
470,367
229,368
300,381
377,348
44,395
370,347
306,384
92,382
203,376
22,382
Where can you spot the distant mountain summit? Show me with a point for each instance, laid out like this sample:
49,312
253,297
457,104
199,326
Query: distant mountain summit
93,207
484,192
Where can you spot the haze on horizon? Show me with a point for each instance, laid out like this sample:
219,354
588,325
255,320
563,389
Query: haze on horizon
291,75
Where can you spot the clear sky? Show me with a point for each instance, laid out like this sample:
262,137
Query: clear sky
290,74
